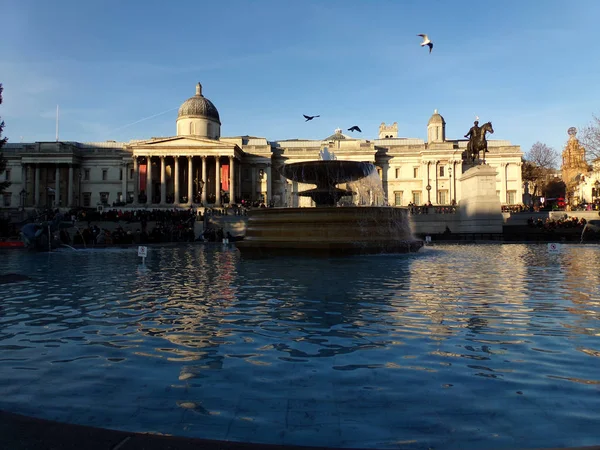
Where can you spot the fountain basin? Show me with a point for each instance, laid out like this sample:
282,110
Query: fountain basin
328,231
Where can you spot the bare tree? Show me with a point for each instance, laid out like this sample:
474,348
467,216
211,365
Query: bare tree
589,137
542,156
537,166
4,184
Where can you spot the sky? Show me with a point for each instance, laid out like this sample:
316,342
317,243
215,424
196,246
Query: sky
120,70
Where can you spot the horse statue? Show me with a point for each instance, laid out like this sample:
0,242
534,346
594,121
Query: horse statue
477,141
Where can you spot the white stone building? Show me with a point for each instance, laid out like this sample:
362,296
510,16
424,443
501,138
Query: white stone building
198,166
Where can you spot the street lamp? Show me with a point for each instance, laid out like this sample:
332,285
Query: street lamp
22,196
428,187
450,176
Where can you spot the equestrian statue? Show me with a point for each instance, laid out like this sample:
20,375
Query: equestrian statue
477,141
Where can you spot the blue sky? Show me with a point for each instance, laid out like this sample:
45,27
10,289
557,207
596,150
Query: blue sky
530,67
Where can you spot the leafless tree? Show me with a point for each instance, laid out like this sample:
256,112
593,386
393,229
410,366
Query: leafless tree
542,156
589,137
3,184
537,167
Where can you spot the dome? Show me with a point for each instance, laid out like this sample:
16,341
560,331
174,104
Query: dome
199,106
436,118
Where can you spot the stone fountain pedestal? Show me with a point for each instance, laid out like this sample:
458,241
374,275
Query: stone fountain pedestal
327,230
480,208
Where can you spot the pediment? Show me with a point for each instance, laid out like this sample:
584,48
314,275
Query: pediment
181,142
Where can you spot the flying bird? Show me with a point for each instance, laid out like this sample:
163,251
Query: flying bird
309,117
426,42
355,128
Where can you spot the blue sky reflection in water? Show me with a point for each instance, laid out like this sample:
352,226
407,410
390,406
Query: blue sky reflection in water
487,346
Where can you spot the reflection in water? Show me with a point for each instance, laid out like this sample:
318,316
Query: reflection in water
458,346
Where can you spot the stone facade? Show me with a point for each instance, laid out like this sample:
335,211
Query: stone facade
198,166
574,170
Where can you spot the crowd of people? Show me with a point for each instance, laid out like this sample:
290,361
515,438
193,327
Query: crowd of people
562,222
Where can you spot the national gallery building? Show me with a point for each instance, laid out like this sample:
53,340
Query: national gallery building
199,167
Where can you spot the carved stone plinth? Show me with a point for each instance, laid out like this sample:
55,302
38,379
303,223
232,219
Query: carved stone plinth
480,208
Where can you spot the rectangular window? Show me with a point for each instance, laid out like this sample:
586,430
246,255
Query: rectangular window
398,197
86,175
7,196
511,197
7,175
104,174
441,171
121,175
131,174
104,197
87,198
415,172
397,172
416,195
443,198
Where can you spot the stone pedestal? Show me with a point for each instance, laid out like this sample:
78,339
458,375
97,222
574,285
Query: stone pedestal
480,209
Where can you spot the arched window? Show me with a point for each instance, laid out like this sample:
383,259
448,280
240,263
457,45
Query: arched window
209,129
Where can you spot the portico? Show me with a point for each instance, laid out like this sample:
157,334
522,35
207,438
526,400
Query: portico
185,170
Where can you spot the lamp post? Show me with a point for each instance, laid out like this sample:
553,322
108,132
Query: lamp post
22,196
428,187
450,176
80,176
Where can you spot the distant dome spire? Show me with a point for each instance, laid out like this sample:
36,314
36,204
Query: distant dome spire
199,89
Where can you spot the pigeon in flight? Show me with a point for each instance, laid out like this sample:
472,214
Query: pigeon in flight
309,117
355,128
426,41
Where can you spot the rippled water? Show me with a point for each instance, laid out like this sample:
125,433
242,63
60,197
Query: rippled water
491,346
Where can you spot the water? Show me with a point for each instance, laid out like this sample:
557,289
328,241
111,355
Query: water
456,347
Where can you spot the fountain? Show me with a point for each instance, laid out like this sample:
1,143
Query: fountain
328,230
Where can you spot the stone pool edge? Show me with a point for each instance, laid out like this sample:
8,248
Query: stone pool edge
19,432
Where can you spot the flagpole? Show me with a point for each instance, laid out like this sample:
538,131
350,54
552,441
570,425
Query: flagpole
56,123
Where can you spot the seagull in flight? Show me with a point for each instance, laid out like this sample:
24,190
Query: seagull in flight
355,128
309,117
426,41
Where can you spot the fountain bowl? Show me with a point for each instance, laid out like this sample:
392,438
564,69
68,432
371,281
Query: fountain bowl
338,231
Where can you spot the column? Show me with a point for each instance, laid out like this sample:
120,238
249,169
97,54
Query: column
425,181
163,181
217,181
190,191
385,168
70,187
176,181
255,187
124,183
268,175
502,183
436,183
519,198
148,180
205,187
36,185
136,180
23,198
231,181
57,187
